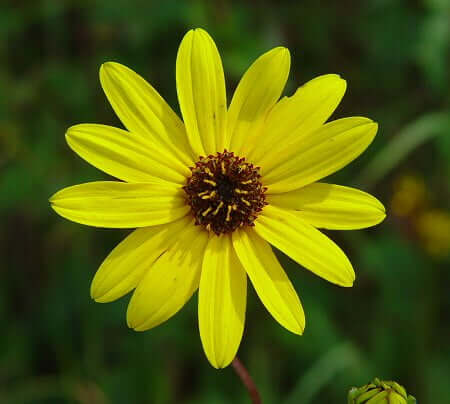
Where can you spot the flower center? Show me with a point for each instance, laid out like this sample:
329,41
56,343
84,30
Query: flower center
224,192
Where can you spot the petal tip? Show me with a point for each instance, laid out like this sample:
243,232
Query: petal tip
285,52
54,199
298,327
219,364
300,321
378,205
372,130
107,68
348,274
214,365
281,49
96,295
348,283
101,299
189,34
281,53
108,65
200,30
130,323
381,218
133,321
70,133
97,292
103,67
140,329
201,37
342,82
335,76
373,125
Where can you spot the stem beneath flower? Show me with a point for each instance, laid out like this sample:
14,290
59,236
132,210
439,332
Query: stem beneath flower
247,380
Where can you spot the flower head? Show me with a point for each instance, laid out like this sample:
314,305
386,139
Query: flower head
380,392
209,193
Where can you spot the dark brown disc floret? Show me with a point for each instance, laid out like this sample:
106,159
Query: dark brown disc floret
225,192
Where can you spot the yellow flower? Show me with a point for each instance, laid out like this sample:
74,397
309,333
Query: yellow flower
210,194
433,227
409,196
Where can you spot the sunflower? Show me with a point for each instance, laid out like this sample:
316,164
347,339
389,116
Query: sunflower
209,194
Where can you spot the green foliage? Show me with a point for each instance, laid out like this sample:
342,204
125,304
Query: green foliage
58,346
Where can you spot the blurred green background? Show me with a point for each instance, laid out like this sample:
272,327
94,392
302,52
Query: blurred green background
58,346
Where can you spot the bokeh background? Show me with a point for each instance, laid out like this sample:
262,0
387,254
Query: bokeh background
58,346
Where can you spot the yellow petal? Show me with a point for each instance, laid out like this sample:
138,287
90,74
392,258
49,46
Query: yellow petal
324,152
142,110
331,206
119,204
125,266
257,92
293,118
124,155
201,92
269,280
170,282
305,244
221,301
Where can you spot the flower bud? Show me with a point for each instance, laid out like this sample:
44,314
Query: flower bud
380,392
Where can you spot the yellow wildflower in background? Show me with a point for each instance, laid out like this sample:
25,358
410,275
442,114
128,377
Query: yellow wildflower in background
409,196
423,222
210,194
433,228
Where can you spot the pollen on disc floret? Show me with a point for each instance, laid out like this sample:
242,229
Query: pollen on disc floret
225,192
